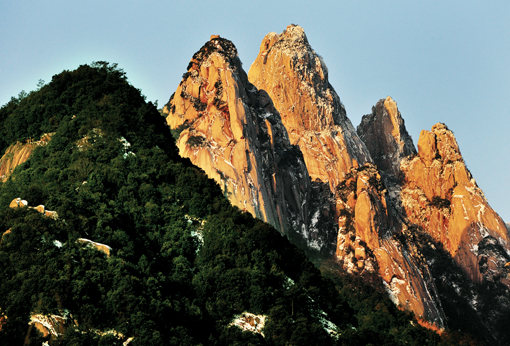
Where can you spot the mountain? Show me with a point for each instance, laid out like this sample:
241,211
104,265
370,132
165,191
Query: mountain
231,130
110,237
445,219
442,197
297,78
368,200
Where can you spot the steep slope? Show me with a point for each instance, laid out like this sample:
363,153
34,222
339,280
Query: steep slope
386,138
296,79
18,153
441,196
232,130
445,219
365,197
368,244
183,266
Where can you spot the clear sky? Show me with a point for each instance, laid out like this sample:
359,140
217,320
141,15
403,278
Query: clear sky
442,61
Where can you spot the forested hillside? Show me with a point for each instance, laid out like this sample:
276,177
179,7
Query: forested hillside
184,264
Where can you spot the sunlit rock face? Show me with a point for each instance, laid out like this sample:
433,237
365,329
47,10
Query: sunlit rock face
441,196
231,130
386,137
17,154
367,244
283,149
296,79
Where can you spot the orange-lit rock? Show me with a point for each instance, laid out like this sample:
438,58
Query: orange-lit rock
49,325
365,242
231,130
386,137
3,320
17,154
442,197
296,79
427,147
98,246
18,202
5,234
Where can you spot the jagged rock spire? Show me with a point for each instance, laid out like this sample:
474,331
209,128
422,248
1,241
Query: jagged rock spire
296,78
229,128
386,137
441,196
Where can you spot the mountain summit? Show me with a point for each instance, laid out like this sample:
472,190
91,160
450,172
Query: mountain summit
110,234
232,130
296,79
365,198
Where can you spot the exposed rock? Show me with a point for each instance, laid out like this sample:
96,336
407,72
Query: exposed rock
299,164
3,319
386,137
230,129
54,326
250,322
433,193
296,79
4,234
367,244
48,325
98,246
18,153
18,202
441,196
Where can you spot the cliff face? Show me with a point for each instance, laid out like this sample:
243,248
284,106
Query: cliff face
435,204
367,244
283,149
17,154
386,137
230,129
296,79
441,196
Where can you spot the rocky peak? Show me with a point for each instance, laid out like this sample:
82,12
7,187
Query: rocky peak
283,149
231,129
384,133
296,79
441,197
288,57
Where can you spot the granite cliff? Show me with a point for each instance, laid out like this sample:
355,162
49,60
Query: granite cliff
444,217
296,78
231,129
280,145
18,153
239,132
441,196
386,138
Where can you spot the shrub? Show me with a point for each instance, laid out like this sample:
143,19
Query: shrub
196,141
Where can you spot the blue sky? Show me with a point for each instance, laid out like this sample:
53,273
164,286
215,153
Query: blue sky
442,61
